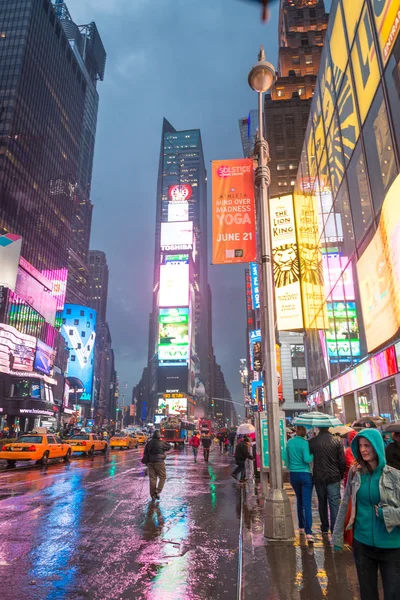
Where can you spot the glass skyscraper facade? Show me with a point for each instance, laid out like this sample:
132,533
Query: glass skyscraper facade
349,180
42,103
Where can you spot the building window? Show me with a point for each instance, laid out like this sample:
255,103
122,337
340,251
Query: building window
298,361
82,313
365,405
296,60
83,334
392,77
300,395
360,199
73,357
281,167
68,311
71,332
388,400
280,92
301,90
76,321
309,60
379,150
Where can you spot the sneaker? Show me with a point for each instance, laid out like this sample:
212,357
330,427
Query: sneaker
301,531
310,538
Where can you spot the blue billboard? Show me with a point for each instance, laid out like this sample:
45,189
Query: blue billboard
255,288
79,331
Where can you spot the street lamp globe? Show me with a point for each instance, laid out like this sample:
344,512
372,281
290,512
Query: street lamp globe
262,76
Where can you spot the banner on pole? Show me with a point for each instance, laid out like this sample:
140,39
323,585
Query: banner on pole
233,212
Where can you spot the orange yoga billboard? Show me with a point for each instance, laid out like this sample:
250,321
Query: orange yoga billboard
233,212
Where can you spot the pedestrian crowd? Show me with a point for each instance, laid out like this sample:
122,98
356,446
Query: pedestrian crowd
367,517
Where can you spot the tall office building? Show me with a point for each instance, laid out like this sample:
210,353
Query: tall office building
347,194
98,283
89,52
302,31
42,106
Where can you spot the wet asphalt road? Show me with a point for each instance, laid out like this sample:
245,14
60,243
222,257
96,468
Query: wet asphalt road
89,530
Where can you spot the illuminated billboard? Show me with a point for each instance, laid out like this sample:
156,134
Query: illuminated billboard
180,192
33,291
44,358
341,288
17,350
233,212
58,279
173,406
173,379
79,331
174,284
173,337
255,286
255,350
178,211
342,336
10,250
378,272
311,266
175,259
286,264
177,235
387,19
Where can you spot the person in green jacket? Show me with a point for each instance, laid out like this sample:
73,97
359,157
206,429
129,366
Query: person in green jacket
298,460
374,491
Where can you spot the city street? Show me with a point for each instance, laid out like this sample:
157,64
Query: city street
88,530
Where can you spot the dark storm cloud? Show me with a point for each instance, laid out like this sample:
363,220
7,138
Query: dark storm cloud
186,60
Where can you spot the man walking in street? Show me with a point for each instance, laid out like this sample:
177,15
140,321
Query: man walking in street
154,457
195,443
241,453
206,443
329,469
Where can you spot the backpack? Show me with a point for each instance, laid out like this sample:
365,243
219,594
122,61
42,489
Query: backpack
146,456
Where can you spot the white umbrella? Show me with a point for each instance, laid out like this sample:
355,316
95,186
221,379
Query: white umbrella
340,429
245,429
316,419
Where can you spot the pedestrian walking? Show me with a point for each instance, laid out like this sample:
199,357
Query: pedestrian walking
206,443
232,437
195,443
226,445
328,470
348,455
242,452
221,438
299,460
154,457
371,507
392,452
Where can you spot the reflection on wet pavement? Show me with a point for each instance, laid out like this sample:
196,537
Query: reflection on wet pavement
88,530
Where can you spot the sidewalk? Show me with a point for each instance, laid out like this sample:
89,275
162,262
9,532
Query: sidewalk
279,572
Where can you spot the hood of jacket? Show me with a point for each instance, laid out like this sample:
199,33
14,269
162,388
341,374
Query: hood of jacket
375,439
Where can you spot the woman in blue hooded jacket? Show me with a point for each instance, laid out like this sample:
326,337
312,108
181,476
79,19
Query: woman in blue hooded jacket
374,490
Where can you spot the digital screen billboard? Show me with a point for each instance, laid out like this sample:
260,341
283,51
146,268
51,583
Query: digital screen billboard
58,279
180,192
177,235
17,350
173,379
255,349
173,338
44,358
10,250
173,406
79,331
33,292
378,272
174,285
341,288
178,211
255,286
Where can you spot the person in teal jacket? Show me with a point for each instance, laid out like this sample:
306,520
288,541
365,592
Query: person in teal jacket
298,461
374,490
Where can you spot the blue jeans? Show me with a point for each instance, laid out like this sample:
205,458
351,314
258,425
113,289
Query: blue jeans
195,452
302,484
328,493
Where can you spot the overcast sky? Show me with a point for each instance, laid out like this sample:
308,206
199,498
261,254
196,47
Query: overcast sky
188,61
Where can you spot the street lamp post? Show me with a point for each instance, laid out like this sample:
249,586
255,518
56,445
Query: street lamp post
278,524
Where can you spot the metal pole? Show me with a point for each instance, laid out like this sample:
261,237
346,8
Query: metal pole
278,523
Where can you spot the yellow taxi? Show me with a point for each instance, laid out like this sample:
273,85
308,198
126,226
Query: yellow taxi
88,443
124,440
38,447
141,437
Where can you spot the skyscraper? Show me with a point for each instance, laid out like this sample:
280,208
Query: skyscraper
42,106
178,356
89,52
302,31
98,283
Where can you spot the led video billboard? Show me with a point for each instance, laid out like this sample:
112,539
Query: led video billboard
44,358
178,211
173,339
17,350
172,380
177,235
174,284
79,331
58,278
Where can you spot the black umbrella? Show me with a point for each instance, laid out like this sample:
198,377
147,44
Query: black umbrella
392,428
368,422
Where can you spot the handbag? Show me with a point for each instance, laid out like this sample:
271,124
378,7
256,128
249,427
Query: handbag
348,534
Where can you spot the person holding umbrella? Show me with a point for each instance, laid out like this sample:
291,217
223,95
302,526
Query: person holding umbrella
329,466
299,459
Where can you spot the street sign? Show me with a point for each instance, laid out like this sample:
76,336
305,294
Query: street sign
264,439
